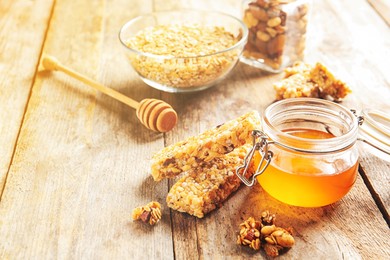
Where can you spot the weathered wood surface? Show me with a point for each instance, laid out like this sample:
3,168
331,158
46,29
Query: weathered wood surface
23,25
361,56
81,160
383,8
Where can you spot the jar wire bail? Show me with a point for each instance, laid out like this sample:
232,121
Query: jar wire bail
260,145
376,129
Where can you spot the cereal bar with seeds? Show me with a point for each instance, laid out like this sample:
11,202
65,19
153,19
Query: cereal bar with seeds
298,68
206,187
329,85
304,80
296,86
220,140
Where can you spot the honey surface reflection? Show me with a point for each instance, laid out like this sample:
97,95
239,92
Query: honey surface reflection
300,180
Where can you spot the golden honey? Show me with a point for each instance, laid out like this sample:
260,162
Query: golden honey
306,151
309,180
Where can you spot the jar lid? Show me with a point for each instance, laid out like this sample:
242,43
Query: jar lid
375,130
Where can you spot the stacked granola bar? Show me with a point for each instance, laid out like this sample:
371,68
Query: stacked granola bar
180,157
304,80
204,188
208,163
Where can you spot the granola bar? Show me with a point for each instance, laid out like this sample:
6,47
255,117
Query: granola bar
180,157
298,68
304,80
296,86
206,187
329,85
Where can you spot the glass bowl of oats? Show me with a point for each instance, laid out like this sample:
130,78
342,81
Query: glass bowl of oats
184,50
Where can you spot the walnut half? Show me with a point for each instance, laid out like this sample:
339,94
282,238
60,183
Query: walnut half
150,213
264,234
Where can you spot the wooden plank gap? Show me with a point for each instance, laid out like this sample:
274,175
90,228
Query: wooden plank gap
382,7
171,219
198,247
28,101
375,196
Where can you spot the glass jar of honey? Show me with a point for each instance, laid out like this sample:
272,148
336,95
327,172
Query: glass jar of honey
277,32
308,152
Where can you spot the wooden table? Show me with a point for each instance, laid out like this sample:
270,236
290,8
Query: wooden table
74,162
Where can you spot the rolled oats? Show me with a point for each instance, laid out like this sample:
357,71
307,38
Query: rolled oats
186,49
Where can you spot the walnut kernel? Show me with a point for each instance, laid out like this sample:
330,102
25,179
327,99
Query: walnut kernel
150,213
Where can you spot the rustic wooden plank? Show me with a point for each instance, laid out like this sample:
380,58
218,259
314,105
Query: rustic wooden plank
197,112
44,169
211,238
375,171
383,9
80,166
22,29
336,231
82,160
322,233
363,62
357,54
228,6
341,230
184,231
134,147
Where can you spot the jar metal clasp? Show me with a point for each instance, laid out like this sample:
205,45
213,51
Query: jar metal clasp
260,143
376,129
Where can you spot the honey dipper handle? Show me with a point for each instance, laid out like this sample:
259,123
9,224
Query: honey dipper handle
51,63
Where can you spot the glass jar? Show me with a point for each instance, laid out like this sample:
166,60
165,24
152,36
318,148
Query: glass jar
309,155
277,33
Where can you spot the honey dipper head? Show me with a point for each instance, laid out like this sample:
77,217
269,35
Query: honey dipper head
156,115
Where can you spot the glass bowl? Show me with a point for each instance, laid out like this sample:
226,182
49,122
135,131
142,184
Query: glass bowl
184,50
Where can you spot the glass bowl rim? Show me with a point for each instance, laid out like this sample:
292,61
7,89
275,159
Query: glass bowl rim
242,41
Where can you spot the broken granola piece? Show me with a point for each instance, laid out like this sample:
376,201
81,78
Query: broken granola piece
223,139
207,186
150,213
329,85
304,80
296,86
297,68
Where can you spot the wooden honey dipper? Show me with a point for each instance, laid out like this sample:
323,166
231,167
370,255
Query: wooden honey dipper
155,114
